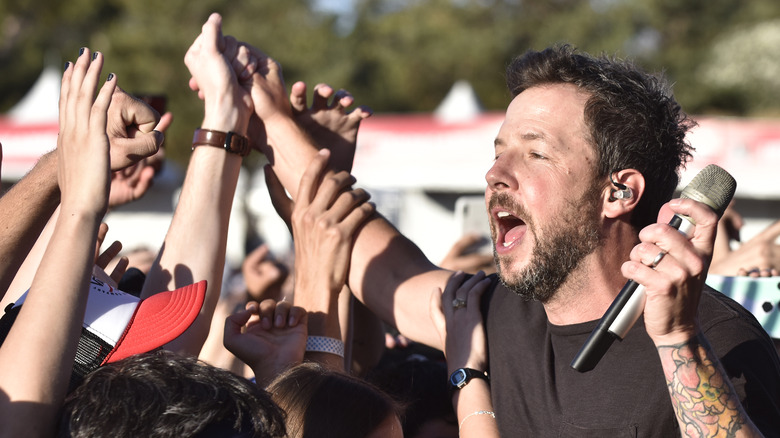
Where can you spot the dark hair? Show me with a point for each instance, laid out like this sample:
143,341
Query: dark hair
162,394
419,383
322,403
634,120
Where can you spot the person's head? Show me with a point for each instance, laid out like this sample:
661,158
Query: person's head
576,124
322,403
420,384
163,394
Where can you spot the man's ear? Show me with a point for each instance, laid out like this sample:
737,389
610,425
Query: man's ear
623,192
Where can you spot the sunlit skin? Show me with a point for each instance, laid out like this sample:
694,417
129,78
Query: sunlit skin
543,168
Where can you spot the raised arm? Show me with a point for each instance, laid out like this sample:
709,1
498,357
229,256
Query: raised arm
702,395
195,244
387,271
456,313
132,137
35,363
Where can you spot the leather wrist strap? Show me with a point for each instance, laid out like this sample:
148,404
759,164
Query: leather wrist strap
230,141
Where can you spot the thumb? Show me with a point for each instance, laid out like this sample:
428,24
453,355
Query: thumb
128,151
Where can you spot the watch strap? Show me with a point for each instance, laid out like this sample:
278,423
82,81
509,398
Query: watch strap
230,141
462,376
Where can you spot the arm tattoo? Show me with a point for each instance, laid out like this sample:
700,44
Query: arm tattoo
702,396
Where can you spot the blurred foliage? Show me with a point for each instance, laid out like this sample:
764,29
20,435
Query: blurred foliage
404,55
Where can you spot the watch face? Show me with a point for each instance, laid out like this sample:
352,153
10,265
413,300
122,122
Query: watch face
458,378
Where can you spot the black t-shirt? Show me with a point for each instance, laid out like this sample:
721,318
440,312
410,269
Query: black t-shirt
536,393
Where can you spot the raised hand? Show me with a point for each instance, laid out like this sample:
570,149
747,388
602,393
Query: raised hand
458,319
328,122
263,275
757,257
132,182
83,145
131,130
268,336
325,218
227,103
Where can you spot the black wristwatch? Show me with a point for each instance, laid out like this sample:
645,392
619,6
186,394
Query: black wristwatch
461,377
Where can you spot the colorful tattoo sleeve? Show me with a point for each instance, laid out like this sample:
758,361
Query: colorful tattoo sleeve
704,401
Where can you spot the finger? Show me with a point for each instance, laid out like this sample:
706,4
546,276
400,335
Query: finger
335,188
676,245
235,322
89,85
360,113
298,97
231,49
119,269
311,178
266,313
212,34
134,111
706,221
106,256
343,98
102,231
279,199
297,316
770,233
346,202
65,87
193,84
282,313
475,293
322,93
99,116
469,284
254,258
74,89
357,217
164,123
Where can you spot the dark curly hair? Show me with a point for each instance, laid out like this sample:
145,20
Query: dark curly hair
162,394
634,120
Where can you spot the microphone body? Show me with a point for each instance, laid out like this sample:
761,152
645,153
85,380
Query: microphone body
712,186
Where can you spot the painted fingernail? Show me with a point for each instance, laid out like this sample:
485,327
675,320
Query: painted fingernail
81,51
94,56
110,76
67,64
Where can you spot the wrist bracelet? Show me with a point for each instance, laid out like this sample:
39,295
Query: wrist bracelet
230,141
322,344
491,413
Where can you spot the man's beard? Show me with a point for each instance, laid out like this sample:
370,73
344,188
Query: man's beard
565,244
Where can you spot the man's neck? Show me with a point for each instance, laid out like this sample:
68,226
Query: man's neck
590,289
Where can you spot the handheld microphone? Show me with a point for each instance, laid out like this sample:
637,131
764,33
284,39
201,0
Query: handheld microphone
712,186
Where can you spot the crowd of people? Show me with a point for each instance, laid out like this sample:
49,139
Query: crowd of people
363,336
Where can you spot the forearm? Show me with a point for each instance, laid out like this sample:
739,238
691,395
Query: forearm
704,401
35,364
388,272
37,196
474,409
322,307
194,247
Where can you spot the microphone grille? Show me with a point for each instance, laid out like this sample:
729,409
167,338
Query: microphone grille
712,186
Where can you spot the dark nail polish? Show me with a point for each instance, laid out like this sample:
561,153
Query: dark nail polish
67,64
81,51
94,55
110,76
